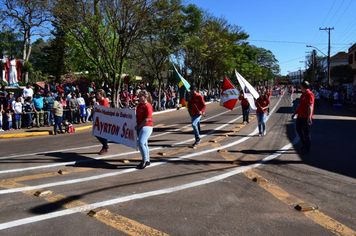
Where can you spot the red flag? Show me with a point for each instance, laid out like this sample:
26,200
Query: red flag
229,95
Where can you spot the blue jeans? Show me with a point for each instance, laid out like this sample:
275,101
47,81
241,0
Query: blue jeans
0,120
195,125
261,118
163,105
245,112
58,122
143,134
29,119
9,124
50,117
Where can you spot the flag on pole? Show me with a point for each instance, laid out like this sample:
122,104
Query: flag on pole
183,87
229,95
246,86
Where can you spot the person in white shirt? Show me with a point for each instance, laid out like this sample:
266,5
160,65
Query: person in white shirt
28,91
17,108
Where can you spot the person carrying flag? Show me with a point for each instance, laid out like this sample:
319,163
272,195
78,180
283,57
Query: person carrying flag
197,107
245,107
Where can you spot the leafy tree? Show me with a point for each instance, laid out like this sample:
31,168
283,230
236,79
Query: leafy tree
342,74
10,42
164,34
29,17
213,51
105,31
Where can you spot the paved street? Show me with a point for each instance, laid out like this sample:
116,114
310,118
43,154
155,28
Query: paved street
204,191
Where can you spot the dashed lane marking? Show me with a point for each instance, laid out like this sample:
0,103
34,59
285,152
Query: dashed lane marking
109,156
73,181
87,208
315,215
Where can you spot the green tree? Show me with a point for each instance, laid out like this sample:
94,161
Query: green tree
105,31
10,42
342,74
29,17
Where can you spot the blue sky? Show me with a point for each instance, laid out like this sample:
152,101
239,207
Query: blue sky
285,27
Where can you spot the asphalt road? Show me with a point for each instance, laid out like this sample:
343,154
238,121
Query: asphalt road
204,191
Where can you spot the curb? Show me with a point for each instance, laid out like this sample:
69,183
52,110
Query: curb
41,133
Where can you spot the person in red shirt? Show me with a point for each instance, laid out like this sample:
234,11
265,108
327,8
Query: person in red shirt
245,107
102,101
305,110
197,107
262,104
144,126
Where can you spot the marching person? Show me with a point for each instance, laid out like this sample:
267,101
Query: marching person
144,126
262,104
197,107
102,101
305,110
290,90
245,107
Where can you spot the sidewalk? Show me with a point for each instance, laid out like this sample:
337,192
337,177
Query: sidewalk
24,132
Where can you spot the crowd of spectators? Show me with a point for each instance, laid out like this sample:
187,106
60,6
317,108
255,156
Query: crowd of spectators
34,106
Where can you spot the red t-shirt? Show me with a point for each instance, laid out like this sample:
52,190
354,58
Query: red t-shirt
103,102
196,104
305,100
263,103
144,111
244,101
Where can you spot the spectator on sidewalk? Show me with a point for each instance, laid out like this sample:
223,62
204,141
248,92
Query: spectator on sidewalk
49,101
28,110
3,105
28,91
73,109
8,113
17,108
81,109
58,115
38,104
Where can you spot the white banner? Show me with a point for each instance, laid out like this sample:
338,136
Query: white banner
115,125
245,85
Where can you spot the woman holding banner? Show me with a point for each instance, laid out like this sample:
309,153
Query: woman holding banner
262,105
144,126
102,101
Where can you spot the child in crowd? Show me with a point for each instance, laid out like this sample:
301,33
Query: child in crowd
9,119
68,127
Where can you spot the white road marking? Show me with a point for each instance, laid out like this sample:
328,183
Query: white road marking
89,207
73,181
86,208
114,155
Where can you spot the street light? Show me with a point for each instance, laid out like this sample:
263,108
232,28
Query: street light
328,57
309,46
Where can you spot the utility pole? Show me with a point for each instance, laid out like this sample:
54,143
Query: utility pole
328,29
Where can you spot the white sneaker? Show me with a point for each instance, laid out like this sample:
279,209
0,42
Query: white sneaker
1,130
260,135
264,133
